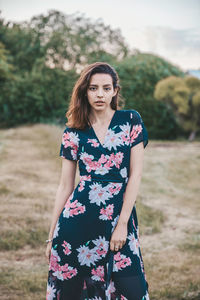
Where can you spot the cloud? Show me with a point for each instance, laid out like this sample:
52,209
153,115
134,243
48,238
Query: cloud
180,46
176,39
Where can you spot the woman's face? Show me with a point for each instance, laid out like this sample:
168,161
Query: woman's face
100,91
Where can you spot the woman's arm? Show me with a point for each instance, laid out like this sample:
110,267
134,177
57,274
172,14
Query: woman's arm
65,188
136,164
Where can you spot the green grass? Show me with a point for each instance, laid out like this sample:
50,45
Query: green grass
150,220
24,284
14,240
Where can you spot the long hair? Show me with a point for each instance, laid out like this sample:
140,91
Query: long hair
79,107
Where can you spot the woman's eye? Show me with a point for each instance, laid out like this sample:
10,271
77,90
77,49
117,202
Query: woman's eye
94,88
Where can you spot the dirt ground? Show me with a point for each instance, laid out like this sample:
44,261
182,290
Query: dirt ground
168,207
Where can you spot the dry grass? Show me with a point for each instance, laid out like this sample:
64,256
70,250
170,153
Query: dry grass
168,213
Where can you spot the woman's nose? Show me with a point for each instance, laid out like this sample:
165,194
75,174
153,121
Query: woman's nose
100,93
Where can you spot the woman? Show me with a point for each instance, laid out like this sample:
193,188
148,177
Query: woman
93,248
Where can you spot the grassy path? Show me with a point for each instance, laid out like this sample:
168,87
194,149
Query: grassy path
168,207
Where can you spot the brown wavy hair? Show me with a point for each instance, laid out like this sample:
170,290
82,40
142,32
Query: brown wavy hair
79,107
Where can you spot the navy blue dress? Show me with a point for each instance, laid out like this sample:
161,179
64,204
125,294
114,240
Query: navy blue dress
82,266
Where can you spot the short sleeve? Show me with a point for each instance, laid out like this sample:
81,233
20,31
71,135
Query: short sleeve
69,144
138,131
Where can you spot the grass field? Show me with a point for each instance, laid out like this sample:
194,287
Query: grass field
168,207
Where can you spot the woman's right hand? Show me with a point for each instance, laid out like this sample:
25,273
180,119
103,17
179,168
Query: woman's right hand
48,251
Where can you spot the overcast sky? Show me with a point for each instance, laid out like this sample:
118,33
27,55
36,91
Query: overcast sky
168,28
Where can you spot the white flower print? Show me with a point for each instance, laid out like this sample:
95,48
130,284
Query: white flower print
135,131
106,213
123,172
87,256
98,194
98,273
96,298
125,133
93,142
50,292
111,289
101,246
114,223
72,209
57,228
121,262
101,170
104,163
71,139
113,188
54,253
112,140
146,296
134,244
67,248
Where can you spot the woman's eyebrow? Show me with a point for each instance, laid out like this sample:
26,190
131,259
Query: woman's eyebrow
103,85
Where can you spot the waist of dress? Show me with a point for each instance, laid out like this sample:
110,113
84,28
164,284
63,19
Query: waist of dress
95,178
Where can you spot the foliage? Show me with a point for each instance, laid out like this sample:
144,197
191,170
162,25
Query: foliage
139,75
40,61
183,96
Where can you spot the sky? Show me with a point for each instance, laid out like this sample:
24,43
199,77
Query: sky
167,28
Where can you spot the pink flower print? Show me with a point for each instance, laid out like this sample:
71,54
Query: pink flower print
54,259
133,223
85,177
61,272
101,252
114,188
68,272
117,256
101,247
71,139
67,248
73,208
93,142
82,181
125,135
98,273
123,298
135,132
111,289
106,213
102,159
121,262
81,186
118,157
84,285
108,164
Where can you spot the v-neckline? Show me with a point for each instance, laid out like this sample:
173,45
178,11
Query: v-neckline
111,121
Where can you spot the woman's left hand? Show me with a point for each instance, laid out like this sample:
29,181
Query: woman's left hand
118,238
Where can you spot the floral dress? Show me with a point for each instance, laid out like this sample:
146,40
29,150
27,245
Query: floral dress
82,266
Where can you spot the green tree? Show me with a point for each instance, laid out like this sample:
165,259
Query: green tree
182,95
6,67
139,75
71,41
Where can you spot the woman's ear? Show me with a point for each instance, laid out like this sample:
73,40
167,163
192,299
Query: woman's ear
115,91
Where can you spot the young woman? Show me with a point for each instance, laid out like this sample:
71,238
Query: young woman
93,248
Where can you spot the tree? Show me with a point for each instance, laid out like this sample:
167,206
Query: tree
71,41
139,75
6,67
183,96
